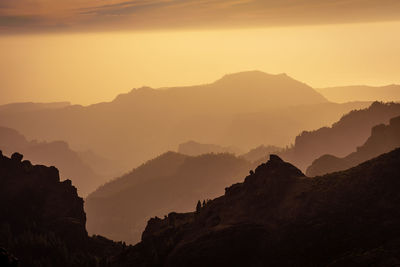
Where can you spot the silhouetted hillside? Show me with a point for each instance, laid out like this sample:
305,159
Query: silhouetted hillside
192,148
279,217
55,153
343,94
119,209
245,109
351,131
42,222
383,139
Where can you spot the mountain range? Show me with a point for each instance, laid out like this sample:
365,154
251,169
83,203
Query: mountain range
210,203
245,109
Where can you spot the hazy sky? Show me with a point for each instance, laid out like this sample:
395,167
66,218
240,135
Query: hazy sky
87,51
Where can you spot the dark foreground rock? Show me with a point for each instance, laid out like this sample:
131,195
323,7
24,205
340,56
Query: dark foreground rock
279,217
42,221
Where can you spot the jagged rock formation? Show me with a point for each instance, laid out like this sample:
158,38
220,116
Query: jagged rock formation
119,209
42,221
57,153
351,131
384,138
279,217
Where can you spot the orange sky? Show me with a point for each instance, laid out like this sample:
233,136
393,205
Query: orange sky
91,50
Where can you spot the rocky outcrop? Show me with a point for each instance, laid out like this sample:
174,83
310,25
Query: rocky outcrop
42,221
279,217
39,198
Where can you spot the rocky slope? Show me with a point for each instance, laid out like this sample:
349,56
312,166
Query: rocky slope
384,138
279,217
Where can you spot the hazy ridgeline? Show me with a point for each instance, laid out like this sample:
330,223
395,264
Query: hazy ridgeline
343,137
383,139
244,110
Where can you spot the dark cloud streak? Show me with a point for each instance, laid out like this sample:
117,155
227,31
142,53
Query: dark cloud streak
171,14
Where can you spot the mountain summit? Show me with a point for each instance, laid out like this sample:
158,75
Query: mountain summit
243,91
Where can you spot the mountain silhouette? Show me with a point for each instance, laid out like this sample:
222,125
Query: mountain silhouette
57,153
351,131
342,94
383,139
245,109
119,209
279,217
42,221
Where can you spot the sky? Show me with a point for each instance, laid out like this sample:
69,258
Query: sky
86,51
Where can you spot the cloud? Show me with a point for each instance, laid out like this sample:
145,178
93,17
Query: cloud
29,15
17,21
